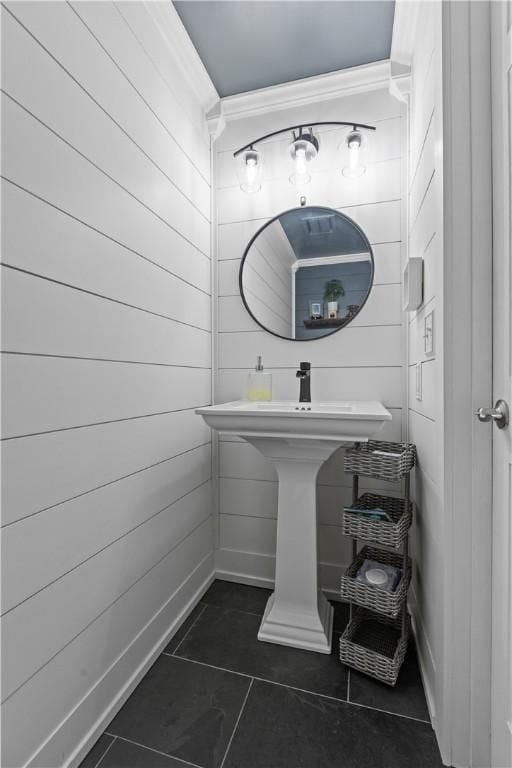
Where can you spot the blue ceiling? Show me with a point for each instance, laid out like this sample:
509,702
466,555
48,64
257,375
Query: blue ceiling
249,44
314,232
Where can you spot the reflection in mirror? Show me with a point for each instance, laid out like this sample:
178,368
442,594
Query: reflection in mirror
306,273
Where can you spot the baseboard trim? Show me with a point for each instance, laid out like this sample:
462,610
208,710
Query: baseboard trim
261,581
164,624
418,633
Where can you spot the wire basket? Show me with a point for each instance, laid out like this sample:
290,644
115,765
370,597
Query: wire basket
389,534
374,598
375,645
362,460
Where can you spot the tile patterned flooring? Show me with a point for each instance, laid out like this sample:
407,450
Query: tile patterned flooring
219,698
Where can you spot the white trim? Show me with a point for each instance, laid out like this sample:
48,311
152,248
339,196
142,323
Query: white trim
402,42
183,52
464,709
404,31
308,90
320,261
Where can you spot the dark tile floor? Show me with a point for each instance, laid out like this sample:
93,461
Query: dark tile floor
219,698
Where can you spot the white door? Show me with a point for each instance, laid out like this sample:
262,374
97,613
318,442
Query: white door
501,690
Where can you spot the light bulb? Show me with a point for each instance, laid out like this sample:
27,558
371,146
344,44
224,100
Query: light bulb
303,149
354,167
249,170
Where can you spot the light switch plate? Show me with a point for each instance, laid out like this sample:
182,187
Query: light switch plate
428,334
418,373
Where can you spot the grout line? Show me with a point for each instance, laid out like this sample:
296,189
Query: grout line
387,712
105,752
151,749
187,632
295,688
237,722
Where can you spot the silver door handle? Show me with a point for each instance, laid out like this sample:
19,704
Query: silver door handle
499,414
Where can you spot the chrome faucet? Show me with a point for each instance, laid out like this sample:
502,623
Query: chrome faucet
304,374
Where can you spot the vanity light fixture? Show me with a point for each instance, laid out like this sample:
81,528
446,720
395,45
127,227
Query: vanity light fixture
303,148
250,169
353,146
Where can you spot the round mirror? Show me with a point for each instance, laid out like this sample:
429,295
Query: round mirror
306,273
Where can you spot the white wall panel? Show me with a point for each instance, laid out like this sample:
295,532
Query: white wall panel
76,530
362,361
381,182
38,82
71,462
340,383
106,325
425,416
48,318
67,606
83,258
38,160
106,645
380,345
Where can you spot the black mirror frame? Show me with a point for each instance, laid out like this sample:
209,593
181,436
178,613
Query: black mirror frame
267,224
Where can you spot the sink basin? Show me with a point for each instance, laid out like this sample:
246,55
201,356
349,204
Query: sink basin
352,421
297,438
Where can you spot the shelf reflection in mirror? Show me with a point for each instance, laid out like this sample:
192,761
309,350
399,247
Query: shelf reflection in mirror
306,273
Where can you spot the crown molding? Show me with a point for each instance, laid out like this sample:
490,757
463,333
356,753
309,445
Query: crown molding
402,45
308,90
404,31
183,52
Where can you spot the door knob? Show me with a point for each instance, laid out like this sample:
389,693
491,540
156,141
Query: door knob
499,414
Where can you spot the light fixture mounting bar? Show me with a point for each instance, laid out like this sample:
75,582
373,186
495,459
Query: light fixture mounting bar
351,124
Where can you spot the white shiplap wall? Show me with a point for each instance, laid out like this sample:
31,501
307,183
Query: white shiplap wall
425,416
107,527
363,361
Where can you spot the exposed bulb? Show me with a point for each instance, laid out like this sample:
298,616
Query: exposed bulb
354,168
303,149
249,169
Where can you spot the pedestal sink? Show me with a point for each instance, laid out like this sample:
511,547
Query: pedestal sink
297,438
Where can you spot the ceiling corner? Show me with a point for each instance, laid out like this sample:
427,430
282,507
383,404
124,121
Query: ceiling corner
183,51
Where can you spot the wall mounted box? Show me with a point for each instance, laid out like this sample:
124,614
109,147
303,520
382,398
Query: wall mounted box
413,284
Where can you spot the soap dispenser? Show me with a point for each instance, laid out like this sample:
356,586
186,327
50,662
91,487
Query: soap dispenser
260,383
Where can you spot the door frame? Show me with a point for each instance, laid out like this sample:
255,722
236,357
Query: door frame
501,736
464,722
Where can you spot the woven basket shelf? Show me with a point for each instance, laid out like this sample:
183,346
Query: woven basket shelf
389,534
363,460
375,645
373,598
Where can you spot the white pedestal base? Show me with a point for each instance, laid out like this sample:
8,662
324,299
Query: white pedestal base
297,613
312,632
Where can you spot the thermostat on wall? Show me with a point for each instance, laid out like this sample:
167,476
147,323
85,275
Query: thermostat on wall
413,284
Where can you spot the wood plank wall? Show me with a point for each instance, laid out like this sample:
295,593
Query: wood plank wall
364,361
107,518
425,416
